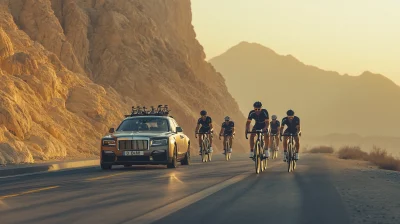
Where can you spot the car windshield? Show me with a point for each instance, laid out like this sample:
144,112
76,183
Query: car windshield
145,124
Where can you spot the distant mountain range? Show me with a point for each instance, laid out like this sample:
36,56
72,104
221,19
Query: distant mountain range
326,101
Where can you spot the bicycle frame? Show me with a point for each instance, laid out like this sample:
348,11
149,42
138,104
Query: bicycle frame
291,152
205,145
227,146
274,146
259,146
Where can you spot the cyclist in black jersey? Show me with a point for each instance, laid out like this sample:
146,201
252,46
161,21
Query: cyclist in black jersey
227,129
293,127
261,118
275,126
206,126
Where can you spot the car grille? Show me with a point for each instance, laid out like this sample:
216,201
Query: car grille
133,145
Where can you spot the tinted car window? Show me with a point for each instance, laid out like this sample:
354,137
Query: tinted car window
144,124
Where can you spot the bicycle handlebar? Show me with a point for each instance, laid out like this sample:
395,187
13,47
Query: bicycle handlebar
202,133
255,132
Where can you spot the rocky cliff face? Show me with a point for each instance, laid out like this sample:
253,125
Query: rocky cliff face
72,68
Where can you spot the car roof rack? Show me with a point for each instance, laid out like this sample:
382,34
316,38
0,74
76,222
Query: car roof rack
152,111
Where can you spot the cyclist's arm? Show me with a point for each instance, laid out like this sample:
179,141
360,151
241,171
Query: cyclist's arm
197,128
211,127
281,129
266,124
233,130
222,131
248,124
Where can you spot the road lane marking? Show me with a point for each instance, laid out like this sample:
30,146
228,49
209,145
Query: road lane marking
28,192
168,209
104,177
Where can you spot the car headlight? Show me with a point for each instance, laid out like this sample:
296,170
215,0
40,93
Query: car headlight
109,142
158,142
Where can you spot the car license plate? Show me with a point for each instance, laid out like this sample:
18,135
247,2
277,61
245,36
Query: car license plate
133,153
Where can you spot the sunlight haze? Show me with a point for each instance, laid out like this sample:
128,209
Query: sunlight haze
344,36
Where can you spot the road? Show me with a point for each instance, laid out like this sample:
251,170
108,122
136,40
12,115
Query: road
216,192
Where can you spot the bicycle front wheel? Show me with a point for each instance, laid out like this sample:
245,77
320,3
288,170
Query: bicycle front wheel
226,150
258,157
290,157
203,152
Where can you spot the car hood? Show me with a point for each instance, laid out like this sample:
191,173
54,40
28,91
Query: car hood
139,134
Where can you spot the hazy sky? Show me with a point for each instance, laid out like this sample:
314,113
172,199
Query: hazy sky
348,36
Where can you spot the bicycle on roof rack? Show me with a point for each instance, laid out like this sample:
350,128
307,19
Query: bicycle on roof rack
143,111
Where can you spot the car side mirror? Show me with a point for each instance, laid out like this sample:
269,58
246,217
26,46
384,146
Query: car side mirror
179,129
111,130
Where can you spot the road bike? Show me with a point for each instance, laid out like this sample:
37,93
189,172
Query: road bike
227,153
259,160
206,155
291,161
274,146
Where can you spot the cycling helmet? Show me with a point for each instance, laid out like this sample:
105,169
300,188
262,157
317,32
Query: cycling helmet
203,112
257,104
274,117
227,118
290,112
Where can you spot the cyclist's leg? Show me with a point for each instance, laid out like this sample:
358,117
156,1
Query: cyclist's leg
252,136
277,142
230,141
297,144
270,140
266,145
200,140
224,143
285,144
211,141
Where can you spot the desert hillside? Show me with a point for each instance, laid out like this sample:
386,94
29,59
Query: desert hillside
69,69
326,101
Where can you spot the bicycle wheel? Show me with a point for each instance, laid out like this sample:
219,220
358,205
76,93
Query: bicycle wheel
203,152
208,153
294,161
289,159
226,149
273,148
262,159
257,158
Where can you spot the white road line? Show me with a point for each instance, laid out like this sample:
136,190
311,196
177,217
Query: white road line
166,210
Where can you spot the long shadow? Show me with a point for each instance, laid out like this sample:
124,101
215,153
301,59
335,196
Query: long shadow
320,201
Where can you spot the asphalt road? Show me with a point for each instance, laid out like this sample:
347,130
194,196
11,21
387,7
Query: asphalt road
216,192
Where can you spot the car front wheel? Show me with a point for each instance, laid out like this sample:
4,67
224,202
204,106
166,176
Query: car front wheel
105,166
174,162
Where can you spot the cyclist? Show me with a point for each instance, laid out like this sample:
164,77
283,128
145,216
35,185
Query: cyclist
275,126
261,118
293,127
228,129
206,126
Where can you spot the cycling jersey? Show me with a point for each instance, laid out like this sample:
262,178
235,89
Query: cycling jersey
228,127
275,126
259,119
291,125
205,124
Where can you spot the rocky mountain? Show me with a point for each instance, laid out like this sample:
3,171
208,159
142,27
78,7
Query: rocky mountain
70,69
326,101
